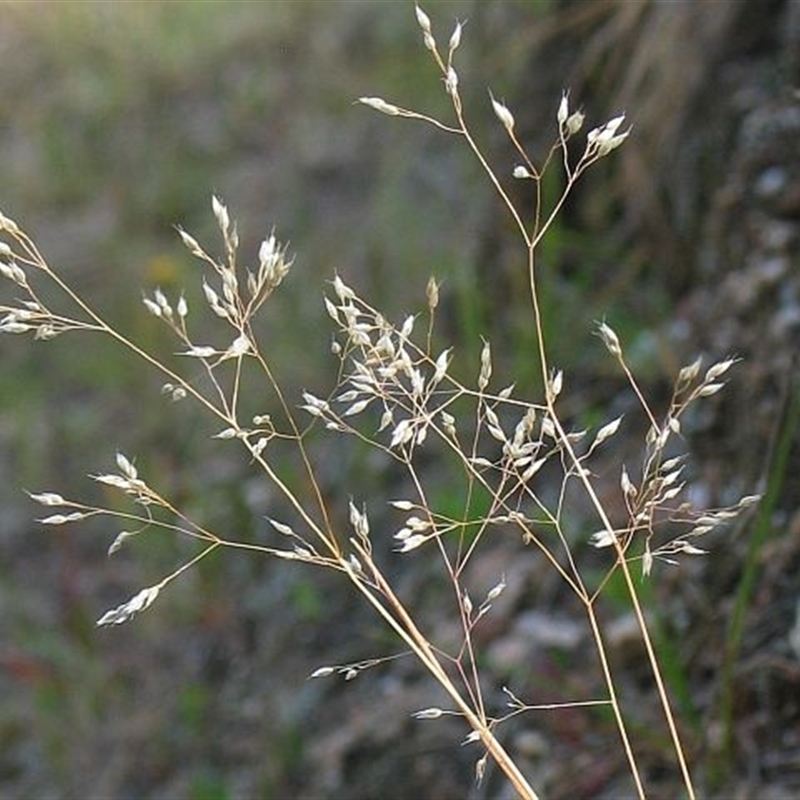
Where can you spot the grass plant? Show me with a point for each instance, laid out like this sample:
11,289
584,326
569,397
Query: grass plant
396,391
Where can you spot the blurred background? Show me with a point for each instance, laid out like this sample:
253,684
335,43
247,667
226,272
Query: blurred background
118,120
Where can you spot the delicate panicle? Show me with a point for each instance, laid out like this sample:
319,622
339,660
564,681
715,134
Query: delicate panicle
511,463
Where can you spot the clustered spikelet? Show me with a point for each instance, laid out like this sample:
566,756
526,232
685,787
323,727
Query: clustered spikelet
226,300
655,501
387,370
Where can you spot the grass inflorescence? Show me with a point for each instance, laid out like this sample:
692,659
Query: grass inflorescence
399,393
